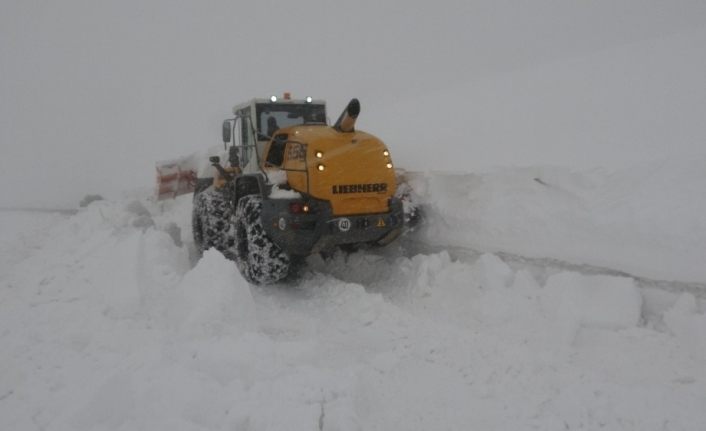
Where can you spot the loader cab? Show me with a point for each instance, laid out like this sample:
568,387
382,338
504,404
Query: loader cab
257,121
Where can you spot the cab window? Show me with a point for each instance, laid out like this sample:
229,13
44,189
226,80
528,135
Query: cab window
275,156
272,117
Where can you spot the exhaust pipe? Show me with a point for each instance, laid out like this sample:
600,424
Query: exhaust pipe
346,122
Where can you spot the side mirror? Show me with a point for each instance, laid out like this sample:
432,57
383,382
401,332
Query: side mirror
226,132
214,159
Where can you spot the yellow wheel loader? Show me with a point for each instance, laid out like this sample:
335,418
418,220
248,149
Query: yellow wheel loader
293,186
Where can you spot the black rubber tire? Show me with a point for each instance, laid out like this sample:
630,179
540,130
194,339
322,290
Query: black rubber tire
202,184
212,222
259,260
197,229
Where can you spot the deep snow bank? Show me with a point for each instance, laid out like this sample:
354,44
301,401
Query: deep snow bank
647,220
480,345
21,234
110,324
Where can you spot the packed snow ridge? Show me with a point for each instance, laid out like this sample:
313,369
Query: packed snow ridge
534,298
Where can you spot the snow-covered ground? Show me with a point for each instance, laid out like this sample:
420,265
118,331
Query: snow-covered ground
22,234
537,298
648,220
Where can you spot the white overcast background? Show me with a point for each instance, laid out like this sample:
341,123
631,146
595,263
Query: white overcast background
92,93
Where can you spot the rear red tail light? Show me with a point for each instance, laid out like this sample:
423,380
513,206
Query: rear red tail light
299,208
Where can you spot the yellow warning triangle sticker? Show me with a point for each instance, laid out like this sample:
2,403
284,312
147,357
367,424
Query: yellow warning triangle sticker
381,223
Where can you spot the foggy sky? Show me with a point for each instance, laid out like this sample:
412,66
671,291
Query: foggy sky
92,93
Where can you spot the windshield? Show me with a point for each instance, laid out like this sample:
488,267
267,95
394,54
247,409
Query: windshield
271,117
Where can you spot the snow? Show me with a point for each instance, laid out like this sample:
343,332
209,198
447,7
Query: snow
575,301
109,321
21,235
277,177
279,193
535,297
646,220
216,298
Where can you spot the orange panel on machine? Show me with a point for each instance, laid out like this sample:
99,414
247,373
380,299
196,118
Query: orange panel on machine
352,170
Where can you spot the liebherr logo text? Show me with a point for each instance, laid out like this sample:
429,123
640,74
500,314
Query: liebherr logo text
360,188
